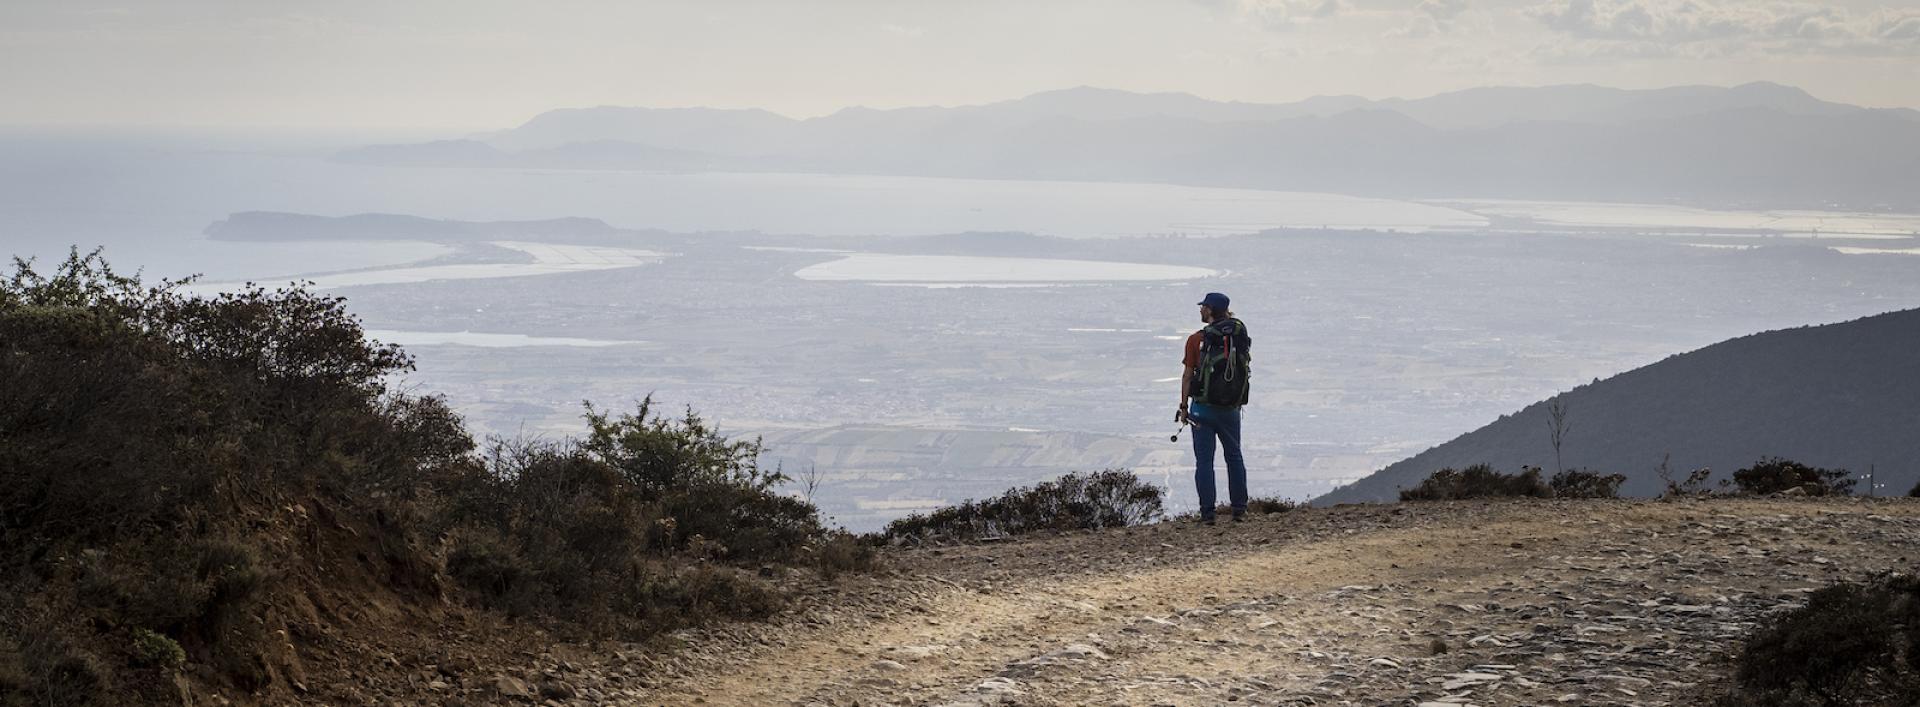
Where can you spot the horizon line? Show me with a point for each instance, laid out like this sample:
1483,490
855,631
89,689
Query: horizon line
317,130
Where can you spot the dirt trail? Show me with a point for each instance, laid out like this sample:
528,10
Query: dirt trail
1535,603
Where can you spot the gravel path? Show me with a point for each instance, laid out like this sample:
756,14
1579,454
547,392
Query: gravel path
1505,603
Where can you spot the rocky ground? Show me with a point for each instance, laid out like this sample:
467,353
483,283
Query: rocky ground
1498,603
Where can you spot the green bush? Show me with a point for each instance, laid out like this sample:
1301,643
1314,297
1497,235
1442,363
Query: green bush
131,407
1477,481
1584,483
1104,499
1852,644
710,485
552,528
151,648
1775,475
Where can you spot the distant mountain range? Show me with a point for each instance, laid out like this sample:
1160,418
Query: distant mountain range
1838,395
1757,144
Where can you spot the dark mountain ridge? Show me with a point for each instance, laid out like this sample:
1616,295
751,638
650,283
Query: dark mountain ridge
1836,395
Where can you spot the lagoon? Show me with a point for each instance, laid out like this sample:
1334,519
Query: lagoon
548,259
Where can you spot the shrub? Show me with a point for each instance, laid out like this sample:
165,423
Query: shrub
15,685
844,552
1851,644
1775,475
1258,506
69,679
1477,481
233,578
710,485
553,528
201,587
59,673
129,405
1694,485
657,454
484,563
131,408
1104,499
677,597
1584,483
151,648
1915,492
1270,505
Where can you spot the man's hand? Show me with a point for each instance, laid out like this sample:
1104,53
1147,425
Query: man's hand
1180,415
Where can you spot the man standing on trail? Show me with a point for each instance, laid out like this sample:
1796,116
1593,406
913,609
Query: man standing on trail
1212,390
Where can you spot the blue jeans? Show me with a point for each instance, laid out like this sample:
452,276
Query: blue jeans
1222,422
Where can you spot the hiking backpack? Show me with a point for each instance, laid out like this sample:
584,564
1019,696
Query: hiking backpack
1226,362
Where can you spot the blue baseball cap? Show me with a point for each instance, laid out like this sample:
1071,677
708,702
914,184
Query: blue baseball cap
1216,302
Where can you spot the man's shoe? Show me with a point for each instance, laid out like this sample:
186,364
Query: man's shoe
1240,517
1206,521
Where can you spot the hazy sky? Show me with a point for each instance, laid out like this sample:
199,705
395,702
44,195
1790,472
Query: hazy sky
481,64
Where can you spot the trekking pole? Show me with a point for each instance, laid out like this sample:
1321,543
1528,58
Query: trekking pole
1178,430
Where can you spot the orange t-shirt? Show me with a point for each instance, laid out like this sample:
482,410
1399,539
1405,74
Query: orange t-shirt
1193,348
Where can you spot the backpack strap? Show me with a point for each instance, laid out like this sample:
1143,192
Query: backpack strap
1228,340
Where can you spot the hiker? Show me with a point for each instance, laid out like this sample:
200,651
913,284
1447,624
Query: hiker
1213,388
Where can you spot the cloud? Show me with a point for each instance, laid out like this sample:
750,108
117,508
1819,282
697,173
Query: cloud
1417,27
1896,25
1398,18
1430,18
1442,10
1278,14
1633,28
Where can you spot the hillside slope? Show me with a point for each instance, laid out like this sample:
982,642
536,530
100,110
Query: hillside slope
1838,395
